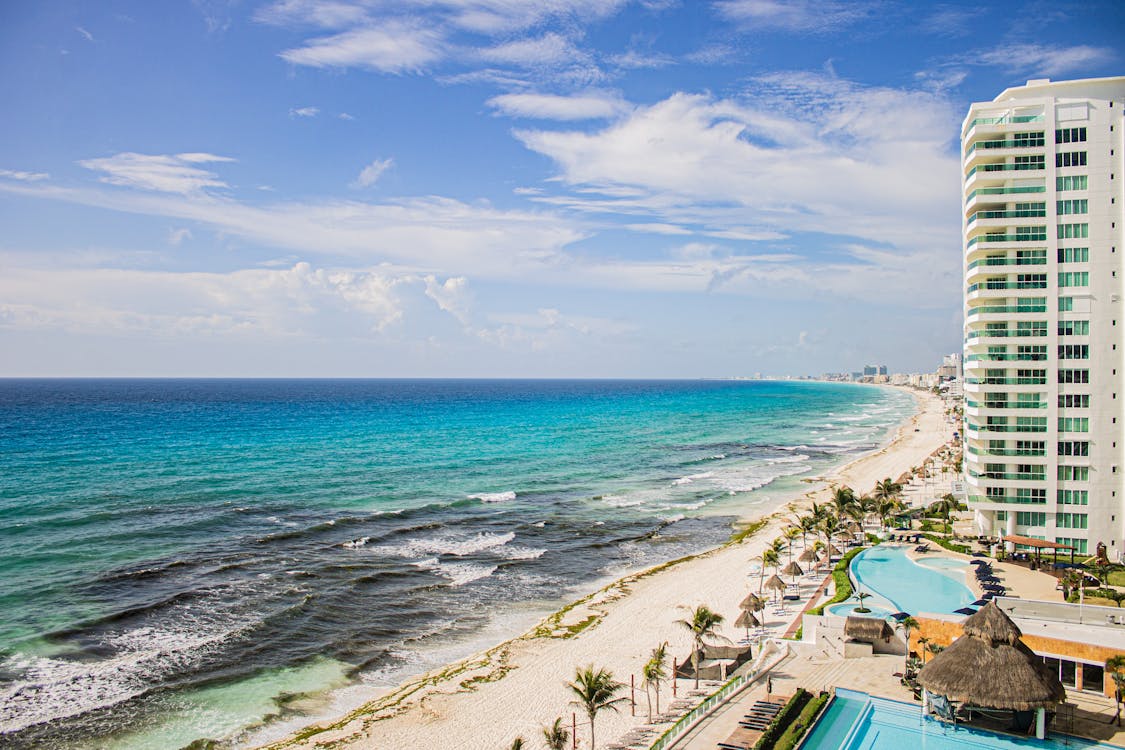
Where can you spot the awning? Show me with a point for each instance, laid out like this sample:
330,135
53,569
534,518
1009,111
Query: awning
1028,541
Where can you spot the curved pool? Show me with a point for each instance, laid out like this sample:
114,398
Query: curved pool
902,585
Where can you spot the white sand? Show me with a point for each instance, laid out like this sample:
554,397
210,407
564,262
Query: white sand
517,687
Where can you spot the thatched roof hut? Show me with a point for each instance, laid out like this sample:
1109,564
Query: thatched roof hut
792,569
990,667
747,620
808,555
776,583
867,629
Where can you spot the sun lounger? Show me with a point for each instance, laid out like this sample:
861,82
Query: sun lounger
740,739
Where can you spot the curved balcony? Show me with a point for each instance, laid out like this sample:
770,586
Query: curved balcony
989,127
1006,404
984,195
1028,306
1006,428
992,265
984,335
1006,452
980,235
994,175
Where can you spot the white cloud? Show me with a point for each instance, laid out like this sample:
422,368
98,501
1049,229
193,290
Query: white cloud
451,295
635,60
1040,59
549,49
164,173
304,111
85,34
372,172
594,105
392,47
326,14
14,174
345,116
177,236
795,15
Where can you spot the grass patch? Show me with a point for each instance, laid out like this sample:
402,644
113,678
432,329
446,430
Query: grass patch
842,580
781,722
795,731
744,531
1117,578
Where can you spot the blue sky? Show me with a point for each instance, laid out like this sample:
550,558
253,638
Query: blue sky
448,188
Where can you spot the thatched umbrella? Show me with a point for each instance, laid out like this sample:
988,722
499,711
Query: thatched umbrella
990,667
792,569
854,527
752,603
832,550
808,556
776,583
747,620
867,629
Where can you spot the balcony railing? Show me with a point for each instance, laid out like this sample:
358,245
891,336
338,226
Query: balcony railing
1037,261
1007,309
1021,167
989,333
1006,475
1015,500
1032,357
1006,119
1007,381
1008,285
1020,237
1005,427
1008,404
1036,142
1005,191
1007,451
1033,213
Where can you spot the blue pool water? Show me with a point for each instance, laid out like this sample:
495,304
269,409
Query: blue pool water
857,721
902,585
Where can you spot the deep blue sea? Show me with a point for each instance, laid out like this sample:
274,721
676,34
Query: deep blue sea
183,559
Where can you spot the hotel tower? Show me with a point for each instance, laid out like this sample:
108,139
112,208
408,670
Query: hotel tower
1042,171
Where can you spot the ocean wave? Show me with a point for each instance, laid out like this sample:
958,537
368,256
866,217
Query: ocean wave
523,553
494,497
357,543
617,501
461,573
447,545
692,478
788,459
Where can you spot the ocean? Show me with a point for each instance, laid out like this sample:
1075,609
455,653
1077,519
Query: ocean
189,559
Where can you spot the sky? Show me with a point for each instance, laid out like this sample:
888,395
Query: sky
498,188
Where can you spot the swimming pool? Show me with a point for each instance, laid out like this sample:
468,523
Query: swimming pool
934,584
858,721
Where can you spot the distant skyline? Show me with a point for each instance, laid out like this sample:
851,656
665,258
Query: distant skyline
498,188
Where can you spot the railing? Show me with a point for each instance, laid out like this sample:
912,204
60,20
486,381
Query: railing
1005,427
1005,333
1034,357
1035,261
1007,381
1007,404
1025,237
999,285
1007,499
1008,309
1021,167
1004,120
1005,191
1004,475
1035,142
1026,452
1032,213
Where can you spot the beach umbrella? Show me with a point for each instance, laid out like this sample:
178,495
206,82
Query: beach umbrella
776,583
747,620
965,611
980,602
792,569
900,616
752,603
832,550
989,666
808,555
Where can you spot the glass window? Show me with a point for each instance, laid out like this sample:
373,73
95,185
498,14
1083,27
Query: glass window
1093,678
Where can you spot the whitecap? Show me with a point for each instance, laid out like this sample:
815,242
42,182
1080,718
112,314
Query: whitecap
461,573
523,553
494,497
356,543
691,478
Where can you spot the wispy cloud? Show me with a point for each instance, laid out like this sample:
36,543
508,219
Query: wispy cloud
160,172
795,15
1051,60
304,111
15,174
592,105
85,34
392,47
372,172
176,237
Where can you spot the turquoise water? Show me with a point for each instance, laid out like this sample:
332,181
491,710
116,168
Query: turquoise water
183,558
901,585
857,721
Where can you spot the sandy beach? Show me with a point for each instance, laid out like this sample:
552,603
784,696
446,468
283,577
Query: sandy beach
517,687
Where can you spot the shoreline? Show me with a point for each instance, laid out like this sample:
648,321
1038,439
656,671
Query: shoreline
512,688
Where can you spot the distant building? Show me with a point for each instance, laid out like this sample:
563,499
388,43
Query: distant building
1044,374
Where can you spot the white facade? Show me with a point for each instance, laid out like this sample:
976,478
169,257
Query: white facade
1044,385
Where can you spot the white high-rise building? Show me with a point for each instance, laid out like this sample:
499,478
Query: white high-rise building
1042,171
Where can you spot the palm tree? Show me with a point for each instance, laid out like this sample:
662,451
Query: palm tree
653,673
886,508
517,743
594,691
908,624
830,526
791,534
924,642
1115,665
842,499
769,558
887,490
702,624
861,595
556,736
807,524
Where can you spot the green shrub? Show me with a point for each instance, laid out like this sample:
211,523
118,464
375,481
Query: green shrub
784,717
949,545
795,731
842,581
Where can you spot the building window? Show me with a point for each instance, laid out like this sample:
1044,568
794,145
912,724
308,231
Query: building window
1074,424
1031,518
1074,448
1066,304
1070,159
1079,549
1072,521
1073,497
1079,206
1074,376
1074,255
1074,328
1070,135
1074,474
1074,278
1026,495
1074,351
1071,182
1028,140
1073,231
1074,401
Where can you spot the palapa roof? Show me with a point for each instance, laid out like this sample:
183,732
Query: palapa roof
808,555
867,628
752,603
776,583
792,569
990,667
832,549
1028,541
746,620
